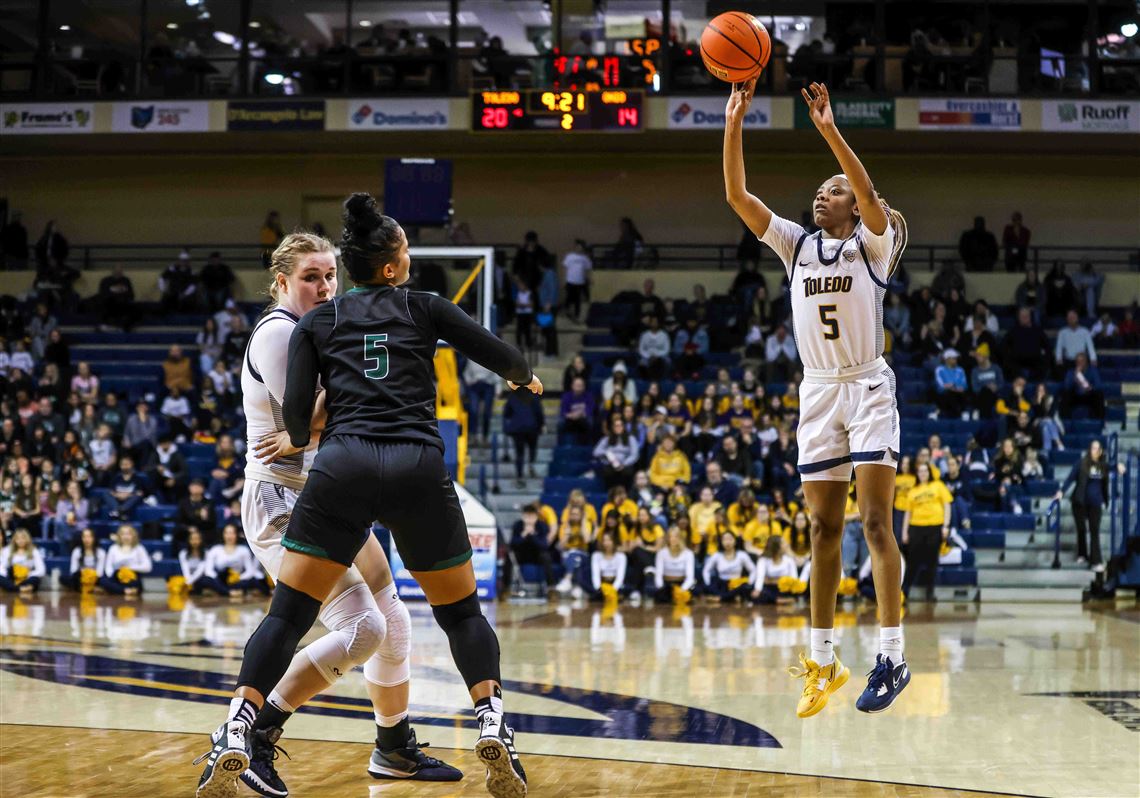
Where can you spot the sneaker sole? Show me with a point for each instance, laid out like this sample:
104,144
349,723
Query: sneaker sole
250,779
502,781
224,778
834,686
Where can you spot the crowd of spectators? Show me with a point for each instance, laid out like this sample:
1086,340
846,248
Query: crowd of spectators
74,457
678,450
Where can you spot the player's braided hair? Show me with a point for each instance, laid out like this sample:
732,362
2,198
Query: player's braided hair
288,254
371,239
898,222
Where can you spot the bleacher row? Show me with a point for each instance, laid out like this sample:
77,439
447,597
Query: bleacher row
130,364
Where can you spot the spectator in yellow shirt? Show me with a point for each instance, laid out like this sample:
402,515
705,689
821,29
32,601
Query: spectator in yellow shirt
578,499
764,528
642,541
904,481
799,538
619,500
702,517
742,511
925,525
575,535
669,465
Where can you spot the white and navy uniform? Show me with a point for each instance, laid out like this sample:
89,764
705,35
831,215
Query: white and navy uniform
848,411
725,569
773,570
271,489
80,561
607,570
240,560
679,570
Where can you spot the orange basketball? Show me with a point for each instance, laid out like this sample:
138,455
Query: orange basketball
735,46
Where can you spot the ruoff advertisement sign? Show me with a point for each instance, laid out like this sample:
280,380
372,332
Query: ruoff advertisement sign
46,118
386,114
1090,116
707,113
267,115
161,117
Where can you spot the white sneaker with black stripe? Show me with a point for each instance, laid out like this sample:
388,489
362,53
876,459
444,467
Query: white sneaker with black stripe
496,748
225,762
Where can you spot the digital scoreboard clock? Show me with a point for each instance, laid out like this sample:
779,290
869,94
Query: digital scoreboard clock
610,110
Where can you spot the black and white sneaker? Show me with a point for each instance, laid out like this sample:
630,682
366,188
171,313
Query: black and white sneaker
225,762
410,762
262,777
496,747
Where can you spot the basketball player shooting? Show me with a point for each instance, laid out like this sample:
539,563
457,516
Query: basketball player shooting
848,414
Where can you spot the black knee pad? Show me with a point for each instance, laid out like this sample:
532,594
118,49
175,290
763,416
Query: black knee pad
270,648
474,646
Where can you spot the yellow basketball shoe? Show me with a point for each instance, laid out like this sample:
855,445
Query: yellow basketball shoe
819,683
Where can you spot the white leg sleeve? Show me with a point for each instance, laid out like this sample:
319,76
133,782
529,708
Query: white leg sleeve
356,629
389,667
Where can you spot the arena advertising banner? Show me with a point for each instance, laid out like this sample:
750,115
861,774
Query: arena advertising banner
969,114
852,113
1090,116
391,114
269,115
484,536
160,117
47,118
707,113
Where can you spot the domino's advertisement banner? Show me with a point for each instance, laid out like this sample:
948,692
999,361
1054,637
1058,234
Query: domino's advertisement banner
161,117
388,114
484,536
969,114
707,113
47,118
1090,116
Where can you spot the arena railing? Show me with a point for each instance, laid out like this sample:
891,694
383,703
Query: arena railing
709,257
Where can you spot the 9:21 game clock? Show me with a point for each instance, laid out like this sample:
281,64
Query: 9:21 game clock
611,110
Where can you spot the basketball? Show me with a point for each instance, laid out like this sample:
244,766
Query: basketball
735,46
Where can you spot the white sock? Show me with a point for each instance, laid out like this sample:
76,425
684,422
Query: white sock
276,700
243,711
388,721
822,646
891,643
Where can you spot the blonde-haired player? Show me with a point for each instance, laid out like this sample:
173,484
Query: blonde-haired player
848,416
368,624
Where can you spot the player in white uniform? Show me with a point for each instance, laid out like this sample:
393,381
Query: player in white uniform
368,624
848,416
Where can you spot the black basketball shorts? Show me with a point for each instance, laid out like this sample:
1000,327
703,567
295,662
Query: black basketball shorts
405,486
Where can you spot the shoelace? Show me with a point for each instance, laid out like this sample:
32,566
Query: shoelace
878,675
807,670
424,759
265,751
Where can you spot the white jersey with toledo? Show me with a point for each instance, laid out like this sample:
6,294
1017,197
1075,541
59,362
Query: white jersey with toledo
837,296
848,412
263,390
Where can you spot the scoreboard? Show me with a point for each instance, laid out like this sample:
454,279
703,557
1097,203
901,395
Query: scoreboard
611,110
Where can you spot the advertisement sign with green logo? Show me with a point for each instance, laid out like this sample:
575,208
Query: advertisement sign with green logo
853,113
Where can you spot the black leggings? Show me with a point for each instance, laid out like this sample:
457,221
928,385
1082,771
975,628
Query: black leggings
1087,518
524,441
922,556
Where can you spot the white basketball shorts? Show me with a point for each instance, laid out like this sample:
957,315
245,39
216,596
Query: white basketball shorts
845,424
